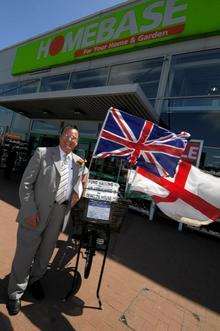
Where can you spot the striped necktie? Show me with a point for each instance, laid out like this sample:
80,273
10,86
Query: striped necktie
64,179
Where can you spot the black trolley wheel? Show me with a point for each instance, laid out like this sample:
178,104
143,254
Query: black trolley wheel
90,252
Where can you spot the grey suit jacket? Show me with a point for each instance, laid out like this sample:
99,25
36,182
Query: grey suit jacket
39,185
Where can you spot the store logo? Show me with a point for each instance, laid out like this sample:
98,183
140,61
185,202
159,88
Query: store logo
56,45
158,17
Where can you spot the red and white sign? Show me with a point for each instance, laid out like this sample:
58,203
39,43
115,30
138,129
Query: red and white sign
193,151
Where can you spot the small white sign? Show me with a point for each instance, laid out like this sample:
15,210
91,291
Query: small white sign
98,210
102,185
100,195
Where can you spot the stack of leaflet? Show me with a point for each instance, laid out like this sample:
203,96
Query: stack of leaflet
102,190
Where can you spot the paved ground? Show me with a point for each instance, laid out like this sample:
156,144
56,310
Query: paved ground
155,279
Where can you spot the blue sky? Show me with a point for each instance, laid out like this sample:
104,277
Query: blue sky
22,19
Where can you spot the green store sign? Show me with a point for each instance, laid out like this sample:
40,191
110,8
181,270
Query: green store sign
141,24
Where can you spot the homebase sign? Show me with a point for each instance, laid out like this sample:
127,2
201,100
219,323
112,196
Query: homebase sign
141,24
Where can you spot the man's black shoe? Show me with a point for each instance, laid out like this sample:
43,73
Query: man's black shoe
37,290
13,306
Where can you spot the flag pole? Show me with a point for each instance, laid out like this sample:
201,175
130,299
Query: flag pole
97,143
128,185
119,170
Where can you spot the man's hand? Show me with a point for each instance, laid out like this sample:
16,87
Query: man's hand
85,179
75,199
32,221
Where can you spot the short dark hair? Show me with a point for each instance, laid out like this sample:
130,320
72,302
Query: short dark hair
67,127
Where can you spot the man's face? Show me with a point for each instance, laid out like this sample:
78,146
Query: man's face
69,140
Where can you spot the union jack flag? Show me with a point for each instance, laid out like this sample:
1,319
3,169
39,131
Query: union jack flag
140,142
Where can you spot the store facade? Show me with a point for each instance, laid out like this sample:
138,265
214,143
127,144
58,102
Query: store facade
155,59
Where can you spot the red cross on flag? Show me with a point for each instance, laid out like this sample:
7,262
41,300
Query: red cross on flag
191,196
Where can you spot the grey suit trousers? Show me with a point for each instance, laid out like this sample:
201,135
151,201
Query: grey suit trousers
33,252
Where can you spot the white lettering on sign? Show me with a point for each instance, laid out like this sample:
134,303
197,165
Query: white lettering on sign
153,35
89,35
155,17
128,23
43,50
106,30
161,13
73,42
170,10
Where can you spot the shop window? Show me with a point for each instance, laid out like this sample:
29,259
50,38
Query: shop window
200,125
5,116
54,83
146,73
196,104
40,126
195,78
29,86
1,90
211,160
20,123
88,128
9,89
89,78
204,126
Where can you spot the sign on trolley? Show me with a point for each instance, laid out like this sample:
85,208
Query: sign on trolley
98,209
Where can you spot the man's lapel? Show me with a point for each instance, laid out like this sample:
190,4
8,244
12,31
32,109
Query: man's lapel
57,158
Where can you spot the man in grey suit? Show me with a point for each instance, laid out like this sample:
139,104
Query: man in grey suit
49,188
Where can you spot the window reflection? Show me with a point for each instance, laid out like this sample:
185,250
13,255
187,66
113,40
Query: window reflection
192,104
196,124
204,126
89,78
20,123
9,89
1,90
28,86
54,83
146,73
211,160
195,74
42,126
5,116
